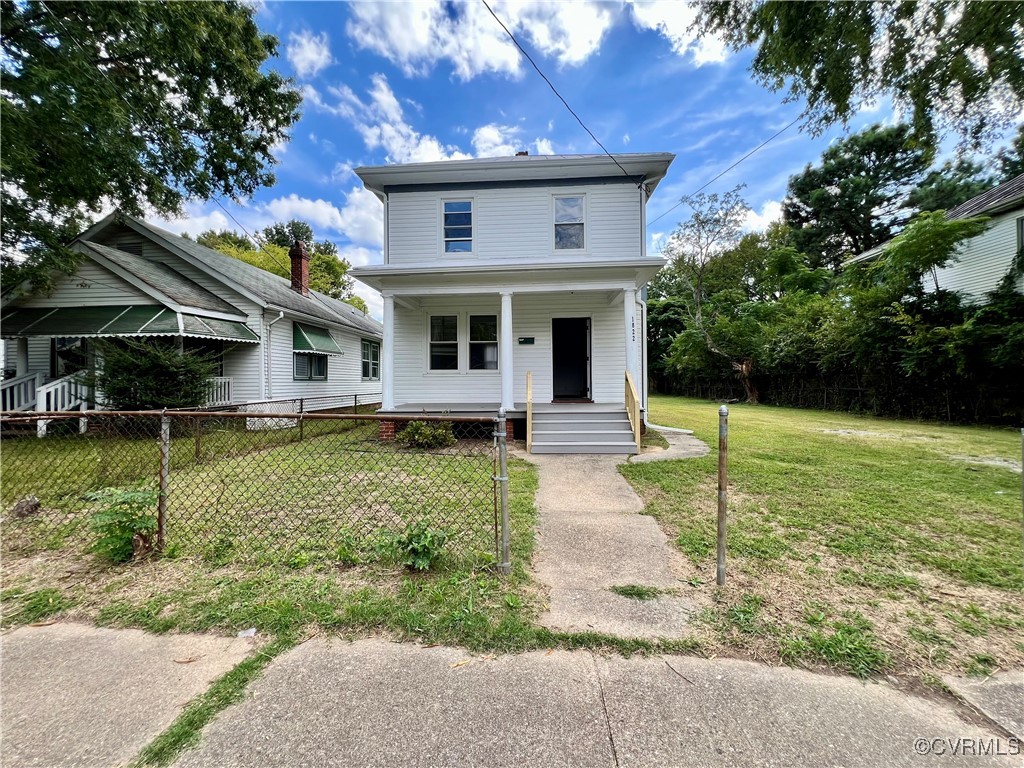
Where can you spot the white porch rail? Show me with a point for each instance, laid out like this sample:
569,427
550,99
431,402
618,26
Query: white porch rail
66,394
19,394
633,408
218,390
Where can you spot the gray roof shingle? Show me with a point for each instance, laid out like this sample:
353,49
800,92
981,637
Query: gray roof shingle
1001,197
171,283
272,288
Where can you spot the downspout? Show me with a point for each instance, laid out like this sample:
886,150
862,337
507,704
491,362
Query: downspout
268,390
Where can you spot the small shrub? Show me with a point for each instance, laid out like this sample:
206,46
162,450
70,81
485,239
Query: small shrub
427,434
126,525
419,547
347,550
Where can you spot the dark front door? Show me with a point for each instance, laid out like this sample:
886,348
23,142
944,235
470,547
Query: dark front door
570,353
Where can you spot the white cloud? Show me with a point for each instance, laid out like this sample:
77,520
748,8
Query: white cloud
493,140
771,212
320,214
196,219
374,301
544,147
673,19
308,53
625,138
363,217
417,35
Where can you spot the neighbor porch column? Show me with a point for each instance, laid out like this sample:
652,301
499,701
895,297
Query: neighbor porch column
387,364
21,359
508,401
629,315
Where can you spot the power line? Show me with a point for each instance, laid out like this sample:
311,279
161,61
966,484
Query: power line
756,149
554,90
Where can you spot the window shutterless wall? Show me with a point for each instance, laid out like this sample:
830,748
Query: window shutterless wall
516,223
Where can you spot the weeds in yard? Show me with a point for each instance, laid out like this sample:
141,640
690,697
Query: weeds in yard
21,607
638,591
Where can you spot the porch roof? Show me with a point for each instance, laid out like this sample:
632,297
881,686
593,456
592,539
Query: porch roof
120,320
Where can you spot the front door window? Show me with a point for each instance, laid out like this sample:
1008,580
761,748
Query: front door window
68,354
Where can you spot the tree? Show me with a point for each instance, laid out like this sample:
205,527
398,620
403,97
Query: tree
328,273
1010,160
137,105
951,65
857,197
949,186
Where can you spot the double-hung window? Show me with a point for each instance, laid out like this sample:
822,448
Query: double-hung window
371,360
569,223
309,367
444,343
483,342
458,226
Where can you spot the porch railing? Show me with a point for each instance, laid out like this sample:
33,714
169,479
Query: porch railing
66,394
633,408
218,390
529,411
19,394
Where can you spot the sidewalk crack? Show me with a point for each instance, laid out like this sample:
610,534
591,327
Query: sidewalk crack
604,705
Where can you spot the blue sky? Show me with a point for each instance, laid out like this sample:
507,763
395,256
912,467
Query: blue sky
431,80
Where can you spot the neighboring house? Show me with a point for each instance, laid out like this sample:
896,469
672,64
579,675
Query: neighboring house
502,270
273,338
984,260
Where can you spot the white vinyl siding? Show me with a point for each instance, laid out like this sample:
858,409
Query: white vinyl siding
517,223
531,316
983,260
90,286
344,372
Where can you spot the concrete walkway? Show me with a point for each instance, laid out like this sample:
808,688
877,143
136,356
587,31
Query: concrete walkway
592,536
75,695
680,446
375,703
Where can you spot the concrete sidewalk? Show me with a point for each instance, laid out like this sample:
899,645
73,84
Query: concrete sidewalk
375,703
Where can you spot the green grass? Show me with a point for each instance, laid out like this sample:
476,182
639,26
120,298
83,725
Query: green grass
879,519
27,607
638,591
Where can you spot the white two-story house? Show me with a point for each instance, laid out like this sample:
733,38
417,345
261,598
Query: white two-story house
516,283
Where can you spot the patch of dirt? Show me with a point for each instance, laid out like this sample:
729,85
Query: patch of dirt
870,433
990,461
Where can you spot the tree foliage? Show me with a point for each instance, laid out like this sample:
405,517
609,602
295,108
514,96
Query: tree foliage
328,273
1010,160
150,375
947,187
953,66
136,105
857,197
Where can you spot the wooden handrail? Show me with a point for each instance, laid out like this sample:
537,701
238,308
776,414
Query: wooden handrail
633,408
529,411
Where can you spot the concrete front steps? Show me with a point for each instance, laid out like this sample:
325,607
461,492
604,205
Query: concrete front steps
582,428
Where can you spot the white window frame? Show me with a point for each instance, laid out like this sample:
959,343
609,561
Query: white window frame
586,222
310,377
457,342
496,343
367,346
472,224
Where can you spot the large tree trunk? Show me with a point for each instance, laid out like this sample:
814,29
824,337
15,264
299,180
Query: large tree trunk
744,369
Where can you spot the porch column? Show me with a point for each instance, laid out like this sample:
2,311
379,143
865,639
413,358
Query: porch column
387,364
505,354
21,359
629,314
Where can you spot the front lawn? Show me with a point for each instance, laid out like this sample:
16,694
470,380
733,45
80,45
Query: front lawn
865,544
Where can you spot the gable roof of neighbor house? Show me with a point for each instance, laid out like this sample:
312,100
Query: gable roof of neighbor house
647,167
265,287
1001,198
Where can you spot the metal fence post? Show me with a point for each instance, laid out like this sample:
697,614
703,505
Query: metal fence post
302,408
500,432
199,440
165,476
723,485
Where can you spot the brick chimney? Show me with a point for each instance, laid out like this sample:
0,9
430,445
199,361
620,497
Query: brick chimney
299,257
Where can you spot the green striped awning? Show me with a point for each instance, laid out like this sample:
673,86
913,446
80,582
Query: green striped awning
311,338
151,320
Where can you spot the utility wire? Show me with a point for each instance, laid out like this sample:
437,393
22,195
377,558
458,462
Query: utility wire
755,150
554,90
132,111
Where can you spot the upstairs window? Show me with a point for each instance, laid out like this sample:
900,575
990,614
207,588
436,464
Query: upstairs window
371,360
444,343
483,342
458,226
569,223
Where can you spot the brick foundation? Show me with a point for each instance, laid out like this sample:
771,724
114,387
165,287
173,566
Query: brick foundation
510,433
387,431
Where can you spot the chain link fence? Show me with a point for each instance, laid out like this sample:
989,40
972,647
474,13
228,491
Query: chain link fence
260,488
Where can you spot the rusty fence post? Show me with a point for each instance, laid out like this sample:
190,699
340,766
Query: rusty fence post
165,477
199,440
723,485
